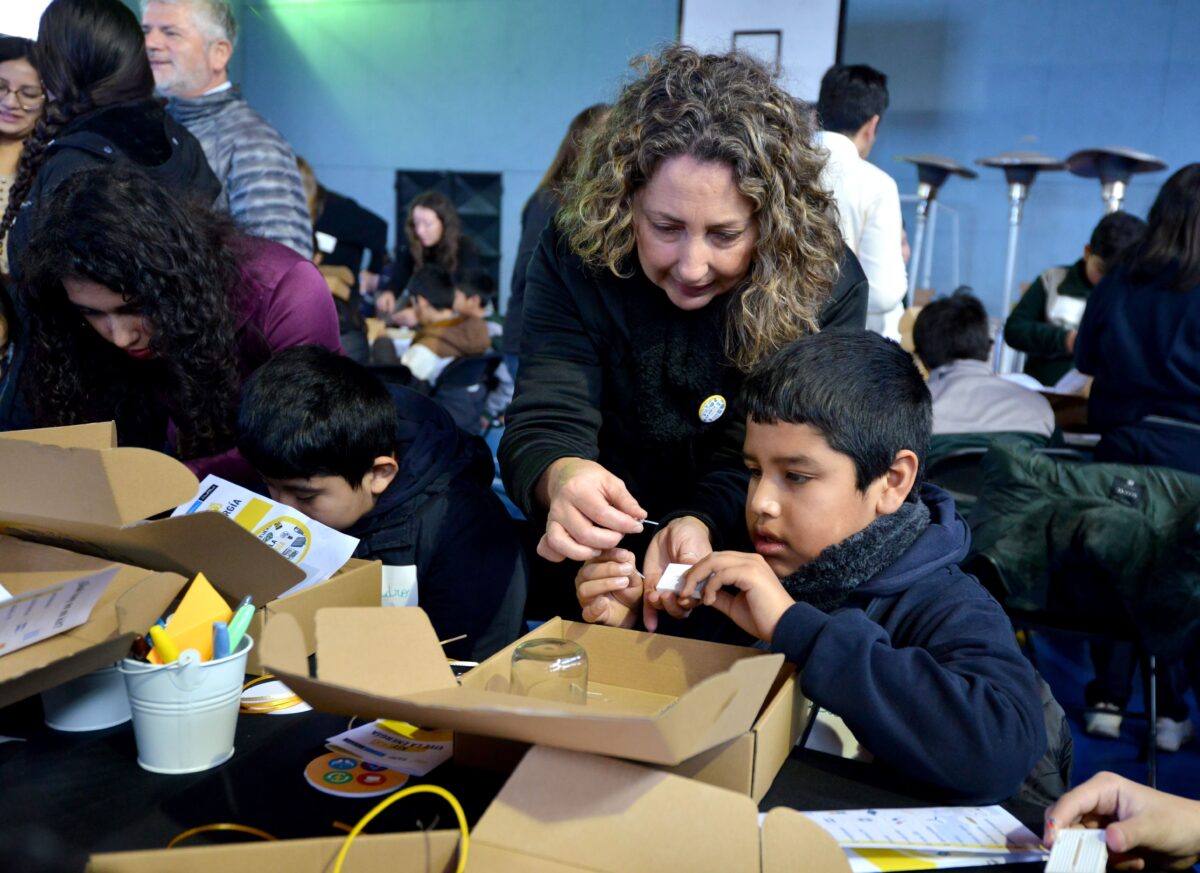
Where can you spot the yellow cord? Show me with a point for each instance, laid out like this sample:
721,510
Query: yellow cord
406,792
219,826
266,704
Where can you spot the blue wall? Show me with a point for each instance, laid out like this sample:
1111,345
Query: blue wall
363,87
971,79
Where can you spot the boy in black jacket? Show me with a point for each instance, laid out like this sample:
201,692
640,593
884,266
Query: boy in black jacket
392,470
855,577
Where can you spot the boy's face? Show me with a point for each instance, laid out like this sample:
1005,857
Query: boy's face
328,499
803,497
1094,267
472,307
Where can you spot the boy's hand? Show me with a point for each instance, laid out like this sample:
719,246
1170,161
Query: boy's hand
609,589
760,601
683,541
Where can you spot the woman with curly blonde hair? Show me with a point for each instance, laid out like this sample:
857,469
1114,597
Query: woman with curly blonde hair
693,240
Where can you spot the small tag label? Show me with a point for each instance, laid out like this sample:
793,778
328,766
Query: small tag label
1125,491
399,586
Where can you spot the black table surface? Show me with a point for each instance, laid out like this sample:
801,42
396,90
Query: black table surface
64,796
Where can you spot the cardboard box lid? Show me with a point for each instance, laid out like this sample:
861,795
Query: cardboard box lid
570,811
386,663
131,603
92,500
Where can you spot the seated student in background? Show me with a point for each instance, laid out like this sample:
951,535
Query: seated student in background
389,467
951,339
1045,321
475,297
152,312
442,334
856,578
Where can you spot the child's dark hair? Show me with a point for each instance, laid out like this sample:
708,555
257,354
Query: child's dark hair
1116,232
477,282
850,95
434,284
311,412
953,328
862,392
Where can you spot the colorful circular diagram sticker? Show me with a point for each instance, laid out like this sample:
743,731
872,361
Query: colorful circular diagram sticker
712,408
346,776
288,536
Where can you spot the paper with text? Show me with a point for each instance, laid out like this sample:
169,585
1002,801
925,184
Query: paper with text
986,829
318,550
36,615
399,586
396,745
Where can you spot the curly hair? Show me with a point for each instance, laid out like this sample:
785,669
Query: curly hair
89,53
450,249
178,264
716,108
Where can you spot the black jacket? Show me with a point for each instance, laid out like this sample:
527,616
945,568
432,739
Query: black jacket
538,211
440,515
577,393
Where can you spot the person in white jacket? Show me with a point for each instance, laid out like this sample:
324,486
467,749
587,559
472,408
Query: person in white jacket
853,99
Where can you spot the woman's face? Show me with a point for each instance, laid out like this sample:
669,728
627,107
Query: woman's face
695,230
427,226
22,106
112,316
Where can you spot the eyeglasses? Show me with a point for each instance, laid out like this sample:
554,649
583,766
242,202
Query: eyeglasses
27,98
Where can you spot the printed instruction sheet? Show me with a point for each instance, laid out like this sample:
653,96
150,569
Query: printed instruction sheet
31,617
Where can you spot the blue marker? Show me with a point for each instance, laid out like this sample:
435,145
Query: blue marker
220,640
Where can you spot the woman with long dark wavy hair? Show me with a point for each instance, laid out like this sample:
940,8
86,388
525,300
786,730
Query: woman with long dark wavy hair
435,236
101,110
694,239
151,312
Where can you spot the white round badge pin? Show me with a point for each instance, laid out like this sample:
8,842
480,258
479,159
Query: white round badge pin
712,408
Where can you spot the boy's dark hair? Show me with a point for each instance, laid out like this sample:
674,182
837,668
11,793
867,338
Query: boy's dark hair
862,392
311,412
434,284
953,328
1115,233
477,282
850,95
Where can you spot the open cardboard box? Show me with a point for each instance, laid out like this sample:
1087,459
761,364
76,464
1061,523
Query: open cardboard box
72,489
651,698
747,764
561,812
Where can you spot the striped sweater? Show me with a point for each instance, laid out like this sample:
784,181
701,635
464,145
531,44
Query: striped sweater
255,164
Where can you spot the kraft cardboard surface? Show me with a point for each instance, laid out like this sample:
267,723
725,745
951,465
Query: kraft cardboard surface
561,812
133,600
658,699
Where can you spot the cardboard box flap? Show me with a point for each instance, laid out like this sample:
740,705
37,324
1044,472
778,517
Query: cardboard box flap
233,559
788,835
100,435
387,664
591,813
107,486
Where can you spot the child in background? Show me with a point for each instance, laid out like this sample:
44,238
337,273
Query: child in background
442,334
475,297
1046,319
856,576
389,467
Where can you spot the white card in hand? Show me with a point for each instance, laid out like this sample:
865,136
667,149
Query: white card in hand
1078,850
672,579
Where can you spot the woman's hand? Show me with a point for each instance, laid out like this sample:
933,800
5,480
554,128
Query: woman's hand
1140,823
609,589
385,303
590,510
684,541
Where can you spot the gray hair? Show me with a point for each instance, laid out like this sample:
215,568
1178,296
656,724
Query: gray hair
214,18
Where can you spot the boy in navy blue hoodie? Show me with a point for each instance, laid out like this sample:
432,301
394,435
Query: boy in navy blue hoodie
855,576
388,466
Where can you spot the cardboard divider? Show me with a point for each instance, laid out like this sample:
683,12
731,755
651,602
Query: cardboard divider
387,664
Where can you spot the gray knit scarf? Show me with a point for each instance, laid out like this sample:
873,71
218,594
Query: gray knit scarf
826,581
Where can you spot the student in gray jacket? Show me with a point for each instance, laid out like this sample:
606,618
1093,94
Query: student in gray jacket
189,43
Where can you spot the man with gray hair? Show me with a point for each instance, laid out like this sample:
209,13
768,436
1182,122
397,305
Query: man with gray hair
189,43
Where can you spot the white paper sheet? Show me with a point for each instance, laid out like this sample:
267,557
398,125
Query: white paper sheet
399,586
32,617
396,745
672,579
318,550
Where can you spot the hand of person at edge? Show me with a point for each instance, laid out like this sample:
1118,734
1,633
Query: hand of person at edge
684,541
590,510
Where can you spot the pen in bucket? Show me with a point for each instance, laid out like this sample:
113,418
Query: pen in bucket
220,640
164,645
239,623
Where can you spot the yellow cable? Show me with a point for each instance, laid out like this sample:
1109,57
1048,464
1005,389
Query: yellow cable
406,792
219,826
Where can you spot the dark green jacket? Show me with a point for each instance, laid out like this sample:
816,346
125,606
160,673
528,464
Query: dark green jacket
1111,546
1027,329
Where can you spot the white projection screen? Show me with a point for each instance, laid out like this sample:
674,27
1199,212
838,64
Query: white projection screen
20,17
801,36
